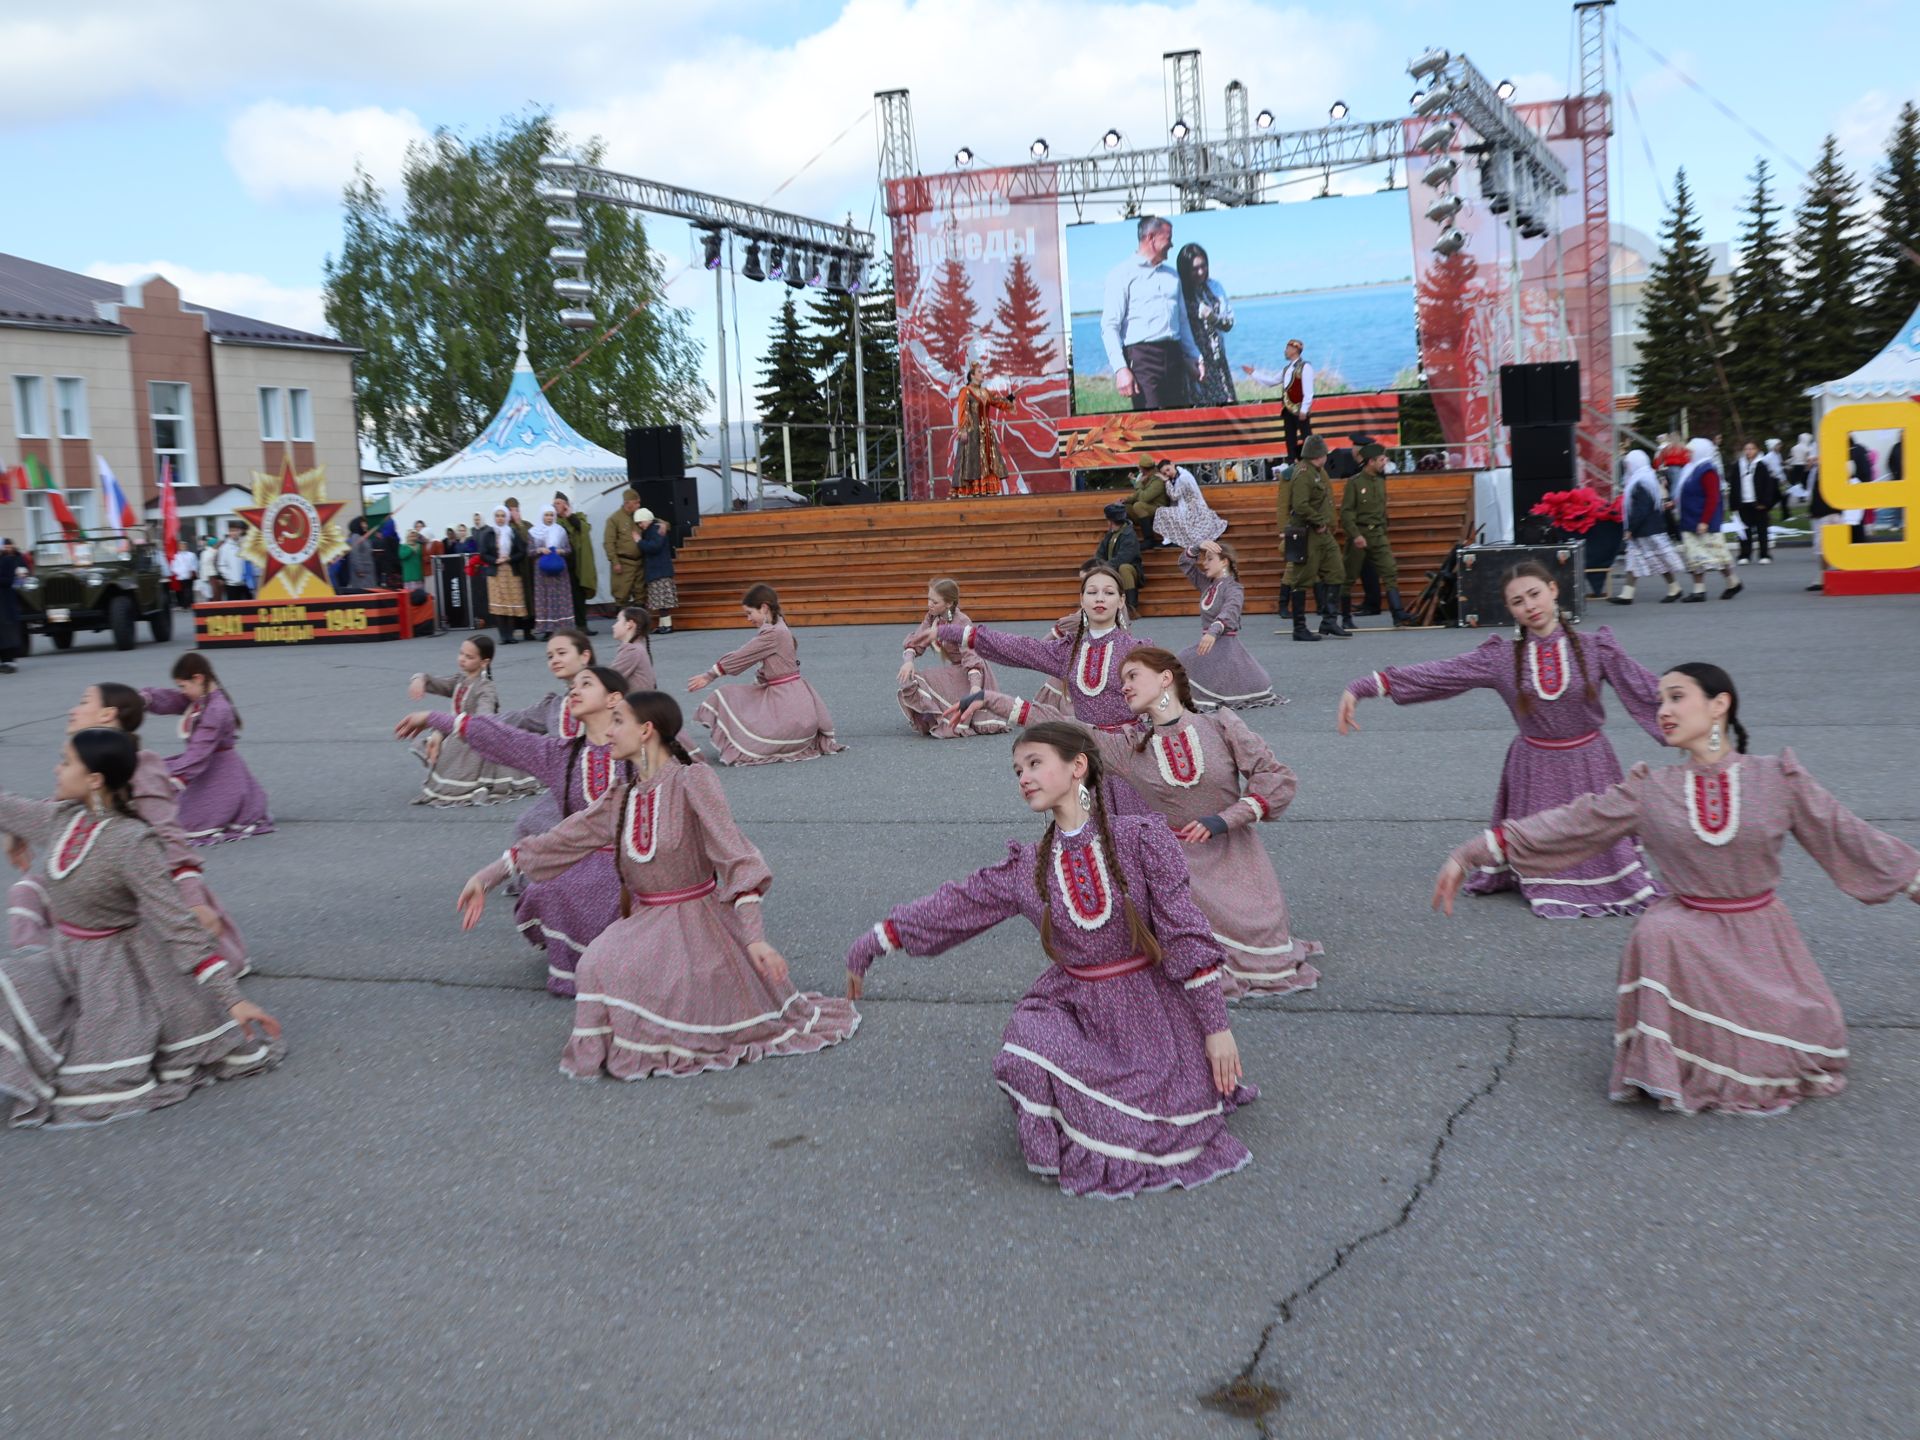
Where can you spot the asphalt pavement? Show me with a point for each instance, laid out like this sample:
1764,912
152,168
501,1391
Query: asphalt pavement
417,1227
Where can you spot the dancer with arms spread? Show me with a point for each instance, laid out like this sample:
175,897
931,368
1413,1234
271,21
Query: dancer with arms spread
456,774
219,798
780,716
1720,1005
927,696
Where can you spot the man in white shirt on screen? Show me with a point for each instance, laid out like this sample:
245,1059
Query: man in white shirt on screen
1144,327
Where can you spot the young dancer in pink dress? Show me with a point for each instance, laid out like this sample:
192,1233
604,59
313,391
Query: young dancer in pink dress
1219,666
1212,779
1720,1005
1119,1062
927,695
1550,680
685,981
219,798
456,775
781,716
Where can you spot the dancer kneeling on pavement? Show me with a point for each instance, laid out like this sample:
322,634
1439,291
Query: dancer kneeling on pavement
781,716
1119,1061
685,981
129,1007
566,914
156,800
927,696
1212,779
1222,669
456,774
1720,1006
1550,680
219,798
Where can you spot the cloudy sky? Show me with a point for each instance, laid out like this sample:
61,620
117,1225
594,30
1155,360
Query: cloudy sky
208,139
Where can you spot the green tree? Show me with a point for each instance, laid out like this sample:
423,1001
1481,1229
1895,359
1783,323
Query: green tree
789,396
1678,368
1020,345
435,293
1832,334
1896,191
950,327
1759,360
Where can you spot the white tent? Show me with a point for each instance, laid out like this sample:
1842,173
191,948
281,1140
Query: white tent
1893,374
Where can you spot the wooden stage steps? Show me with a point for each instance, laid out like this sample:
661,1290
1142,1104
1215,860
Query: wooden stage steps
1014,557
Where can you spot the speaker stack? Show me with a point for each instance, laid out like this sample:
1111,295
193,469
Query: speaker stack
657,472
1540,405
844,490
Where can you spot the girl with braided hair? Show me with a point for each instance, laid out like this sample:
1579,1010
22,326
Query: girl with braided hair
1119,1061
563,915
1212,779
927,696
1549,676
684,980
456,775
219,798
780,716
1720,1006
1222,670
130,1006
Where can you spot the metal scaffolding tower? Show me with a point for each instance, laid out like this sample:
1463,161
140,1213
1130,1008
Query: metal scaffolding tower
1591,119
899,156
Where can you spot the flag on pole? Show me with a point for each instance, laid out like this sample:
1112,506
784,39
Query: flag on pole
169,513
9,479
38,479
114,504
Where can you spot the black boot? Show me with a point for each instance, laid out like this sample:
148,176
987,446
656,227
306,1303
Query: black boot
1286,598
1300,630
1401,616
1329,613
506,633
1346,609
1133,601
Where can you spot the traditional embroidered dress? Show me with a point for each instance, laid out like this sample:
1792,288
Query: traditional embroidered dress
634,661
1088,667
552,593
126,1009
564,915
1559,754
977,466
461,776
1214,766
1105,1058
219,798
1186,519
780,717
156,800
1227,674
1720,1005
926,698
669,989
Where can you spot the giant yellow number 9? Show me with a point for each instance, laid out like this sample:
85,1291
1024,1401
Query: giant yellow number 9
1841,491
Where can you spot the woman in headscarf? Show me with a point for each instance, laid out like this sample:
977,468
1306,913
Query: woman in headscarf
1700,505
1643,510
500,548
552,589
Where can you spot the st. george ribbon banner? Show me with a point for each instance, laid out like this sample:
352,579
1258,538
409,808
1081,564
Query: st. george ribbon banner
976,274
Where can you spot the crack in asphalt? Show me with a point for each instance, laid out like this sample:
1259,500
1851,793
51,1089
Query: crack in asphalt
1250,1398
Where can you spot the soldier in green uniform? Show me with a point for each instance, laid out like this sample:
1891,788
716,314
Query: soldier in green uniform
1309,512
1363,515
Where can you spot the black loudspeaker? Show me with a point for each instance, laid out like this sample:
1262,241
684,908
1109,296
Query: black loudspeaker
843,490
1547,394
655,452
675,499
1543,460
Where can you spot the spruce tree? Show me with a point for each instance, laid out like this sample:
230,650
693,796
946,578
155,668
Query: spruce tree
1759,360
1020,346
1832,333
1677,369
954,318
790,396
1896,189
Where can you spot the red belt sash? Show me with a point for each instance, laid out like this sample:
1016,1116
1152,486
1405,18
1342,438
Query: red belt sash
677,897
1110,970
81,932
1540,742
1726,905
783,680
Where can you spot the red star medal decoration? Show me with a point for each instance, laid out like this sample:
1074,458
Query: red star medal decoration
292,529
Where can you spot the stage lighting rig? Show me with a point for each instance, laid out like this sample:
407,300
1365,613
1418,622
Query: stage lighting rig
1431,62
1180,131
1504,89
1336,111
1438,175
1039,149
1450,243
797,270
963,157
710,244
856,276
1438,138
1434,101
753,270
1264,120
1442,211
833,275
1111,140
777,261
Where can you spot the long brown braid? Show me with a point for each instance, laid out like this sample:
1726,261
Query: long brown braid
1159,662
1067,739
1534,570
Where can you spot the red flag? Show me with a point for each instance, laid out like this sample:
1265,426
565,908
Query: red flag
169,514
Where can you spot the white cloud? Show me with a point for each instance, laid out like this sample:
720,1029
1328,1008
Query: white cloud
1862,129
308,152
256,296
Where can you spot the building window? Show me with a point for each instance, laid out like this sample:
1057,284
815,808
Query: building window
42,528
172,407
300,414
271,427
70,402
29,407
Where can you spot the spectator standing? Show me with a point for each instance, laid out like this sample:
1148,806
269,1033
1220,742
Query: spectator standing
1757,492
1700,507
12,563
523,568
620,541
582,574
656,553
185,568
208,587
233,565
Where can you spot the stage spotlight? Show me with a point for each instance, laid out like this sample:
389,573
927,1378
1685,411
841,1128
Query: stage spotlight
1438,138
963,157
1413,100
710,243
776,262
565,227
1179,130
753,269
1039,149
573,289
1504,89
578,319
567,255
1531,226
1264,120
1442,211
1337,110
1434,101
857,276
1430,63
1438,175
1111,139
1449,243
797,270
833,276
814,273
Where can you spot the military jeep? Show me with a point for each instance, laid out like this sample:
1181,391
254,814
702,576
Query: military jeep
103,580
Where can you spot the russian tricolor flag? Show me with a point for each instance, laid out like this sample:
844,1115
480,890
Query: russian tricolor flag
118,511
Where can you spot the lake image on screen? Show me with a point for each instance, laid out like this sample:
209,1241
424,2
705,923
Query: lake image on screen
1358,338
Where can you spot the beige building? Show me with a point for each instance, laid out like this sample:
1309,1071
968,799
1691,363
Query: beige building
154,384
1634,253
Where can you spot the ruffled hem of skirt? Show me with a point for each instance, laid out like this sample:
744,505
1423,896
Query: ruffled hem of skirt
228,833
1646,1067
169,1080
1239,983
1052,1154
635,1049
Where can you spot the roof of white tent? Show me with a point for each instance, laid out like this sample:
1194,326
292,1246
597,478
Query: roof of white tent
1895,371
526,443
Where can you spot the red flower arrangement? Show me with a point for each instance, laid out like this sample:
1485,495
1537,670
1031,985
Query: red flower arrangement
1573,511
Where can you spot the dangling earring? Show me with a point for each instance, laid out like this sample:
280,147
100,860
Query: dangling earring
1085,796
1162,702
1713,739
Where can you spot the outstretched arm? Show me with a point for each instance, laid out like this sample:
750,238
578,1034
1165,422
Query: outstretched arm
956,912
1637,686
164,700
1049,656
1552,840
1864,861
1189,955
